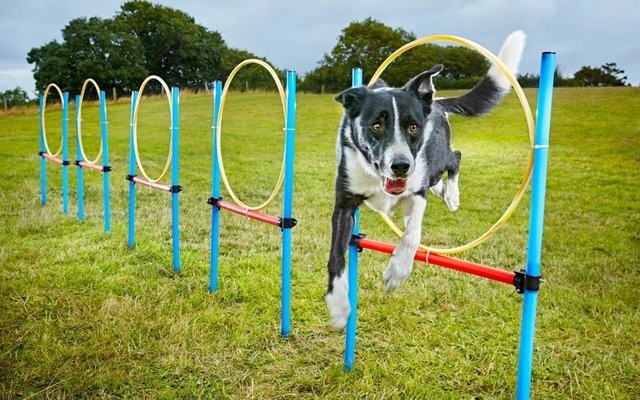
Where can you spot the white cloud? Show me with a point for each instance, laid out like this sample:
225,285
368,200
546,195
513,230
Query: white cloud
12,78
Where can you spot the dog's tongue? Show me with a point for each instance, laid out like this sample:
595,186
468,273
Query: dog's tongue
394,186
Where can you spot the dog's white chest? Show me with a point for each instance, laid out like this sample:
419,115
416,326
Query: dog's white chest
363,180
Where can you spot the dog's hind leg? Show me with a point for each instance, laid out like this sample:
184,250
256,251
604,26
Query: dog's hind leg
337,297
401,262
451,192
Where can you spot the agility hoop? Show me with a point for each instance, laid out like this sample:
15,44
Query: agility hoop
223,97
530,126
79,122
135,127
44,124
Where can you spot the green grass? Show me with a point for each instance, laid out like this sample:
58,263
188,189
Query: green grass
82,316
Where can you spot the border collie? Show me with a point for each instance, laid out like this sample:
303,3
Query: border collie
393,144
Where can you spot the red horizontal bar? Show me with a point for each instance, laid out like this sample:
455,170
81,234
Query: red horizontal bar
484,271
90,166
248,213
153,185
52,158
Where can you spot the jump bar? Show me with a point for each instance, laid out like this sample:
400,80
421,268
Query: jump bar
95,167
159,186
52,158
248,213
495,274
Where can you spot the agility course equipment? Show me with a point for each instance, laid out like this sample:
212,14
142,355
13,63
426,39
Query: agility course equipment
61,156
286,222
173,97
82,161
526,178
526,281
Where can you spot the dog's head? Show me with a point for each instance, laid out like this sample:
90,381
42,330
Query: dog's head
389,126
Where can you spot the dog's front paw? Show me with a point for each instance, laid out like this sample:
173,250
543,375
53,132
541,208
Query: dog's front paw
338,302
396,272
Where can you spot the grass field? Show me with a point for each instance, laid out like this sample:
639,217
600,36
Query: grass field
82,316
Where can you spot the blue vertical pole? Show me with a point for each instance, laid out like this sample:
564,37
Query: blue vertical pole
78,159
289,144
132,171
534,249
43,161
175,227
65,152
350,342
215,193
105,162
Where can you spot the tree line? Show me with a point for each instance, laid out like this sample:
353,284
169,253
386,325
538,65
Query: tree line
145,38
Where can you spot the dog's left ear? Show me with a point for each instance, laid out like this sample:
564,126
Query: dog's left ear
422,85
351,99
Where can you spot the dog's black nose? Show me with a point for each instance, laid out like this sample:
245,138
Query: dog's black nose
400,166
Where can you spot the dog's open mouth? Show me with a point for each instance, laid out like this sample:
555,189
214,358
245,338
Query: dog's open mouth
395,186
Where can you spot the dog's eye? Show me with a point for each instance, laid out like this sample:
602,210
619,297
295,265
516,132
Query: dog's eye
413,129
376,127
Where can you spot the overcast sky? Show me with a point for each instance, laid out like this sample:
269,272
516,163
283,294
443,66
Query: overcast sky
296,34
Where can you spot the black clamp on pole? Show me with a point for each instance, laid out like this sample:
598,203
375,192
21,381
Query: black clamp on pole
175,189
287,223
41,153
214,202
66,162
523,282
106,168
355,241
77,162
130,178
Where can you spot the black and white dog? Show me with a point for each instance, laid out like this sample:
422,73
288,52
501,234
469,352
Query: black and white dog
393,144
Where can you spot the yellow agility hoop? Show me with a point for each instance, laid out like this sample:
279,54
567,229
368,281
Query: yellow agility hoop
530,126
223,98
42,116
135,126
79,121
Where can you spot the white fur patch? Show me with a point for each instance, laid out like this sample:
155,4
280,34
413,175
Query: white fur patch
401,262
510,55
338,302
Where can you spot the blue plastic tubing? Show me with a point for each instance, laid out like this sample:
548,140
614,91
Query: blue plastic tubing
350,341
43,162
215,192
65,152
132,171
536,219
105,162
80,170
289,144
175,225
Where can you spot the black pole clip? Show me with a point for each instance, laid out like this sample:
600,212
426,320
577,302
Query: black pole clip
175,189
355,241
214,201
523,282
287,223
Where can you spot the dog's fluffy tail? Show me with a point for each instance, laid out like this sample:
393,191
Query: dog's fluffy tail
490,90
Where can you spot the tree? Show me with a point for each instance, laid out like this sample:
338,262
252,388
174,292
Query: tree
368,43
250,77
111,56
119,53
607,75
174,46
362,44
14,97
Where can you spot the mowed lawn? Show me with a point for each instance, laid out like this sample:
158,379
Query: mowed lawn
83,316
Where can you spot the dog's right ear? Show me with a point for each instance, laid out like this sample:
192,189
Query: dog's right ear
351,99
